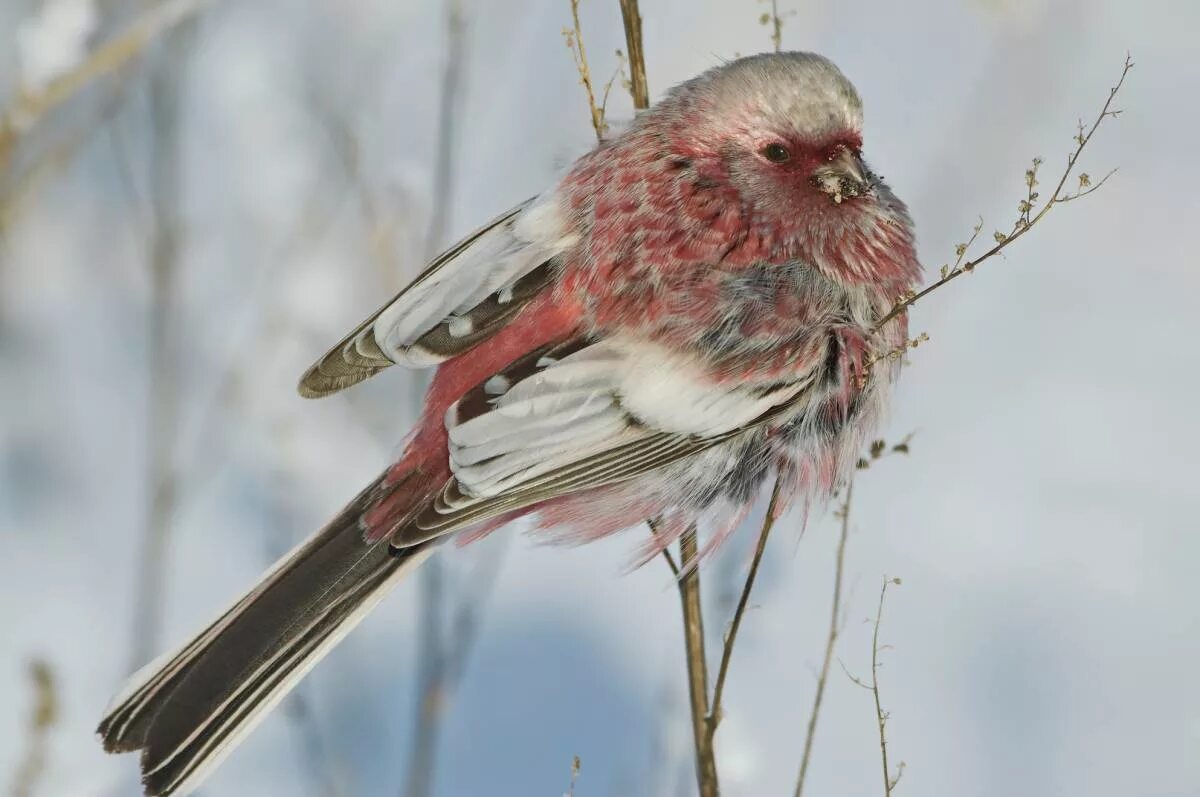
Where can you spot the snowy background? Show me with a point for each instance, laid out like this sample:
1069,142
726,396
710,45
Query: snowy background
1046,638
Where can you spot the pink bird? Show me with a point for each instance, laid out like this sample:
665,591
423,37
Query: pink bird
687,313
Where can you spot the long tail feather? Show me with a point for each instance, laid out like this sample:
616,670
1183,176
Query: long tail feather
187,711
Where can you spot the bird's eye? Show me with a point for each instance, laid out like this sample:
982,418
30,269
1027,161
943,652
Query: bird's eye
776,153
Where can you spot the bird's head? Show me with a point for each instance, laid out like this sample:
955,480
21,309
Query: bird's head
785,131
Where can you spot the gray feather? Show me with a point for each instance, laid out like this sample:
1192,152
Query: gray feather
194,708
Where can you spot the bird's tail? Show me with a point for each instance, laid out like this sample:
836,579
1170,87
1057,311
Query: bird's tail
186,711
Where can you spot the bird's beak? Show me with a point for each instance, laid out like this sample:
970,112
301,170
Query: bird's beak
843,177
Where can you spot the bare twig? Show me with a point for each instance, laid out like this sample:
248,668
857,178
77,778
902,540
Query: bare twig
618,72
878,449
1025,220
697,667
638,87
574,37
835,621
41,720
881,716
671,562
654,523
714,716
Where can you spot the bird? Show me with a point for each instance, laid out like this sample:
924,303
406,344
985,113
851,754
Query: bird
697,307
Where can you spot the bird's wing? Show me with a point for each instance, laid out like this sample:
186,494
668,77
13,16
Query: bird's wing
466,295
587,414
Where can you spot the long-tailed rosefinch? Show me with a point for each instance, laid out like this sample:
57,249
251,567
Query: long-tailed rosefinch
687,313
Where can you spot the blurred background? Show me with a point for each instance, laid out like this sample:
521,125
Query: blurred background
183,234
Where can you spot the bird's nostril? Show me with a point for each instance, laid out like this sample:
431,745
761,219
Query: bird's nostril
839,185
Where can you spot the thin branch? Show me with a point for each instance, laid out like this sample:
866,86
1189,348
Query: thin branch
1025,221
881,716
835,623
619,72
697,667
714,716
579,53
859,682
1085,180
638,87
653,523
671,563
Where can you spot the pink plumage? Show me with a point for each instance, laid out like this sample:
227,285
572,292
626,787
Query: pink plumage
687,314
